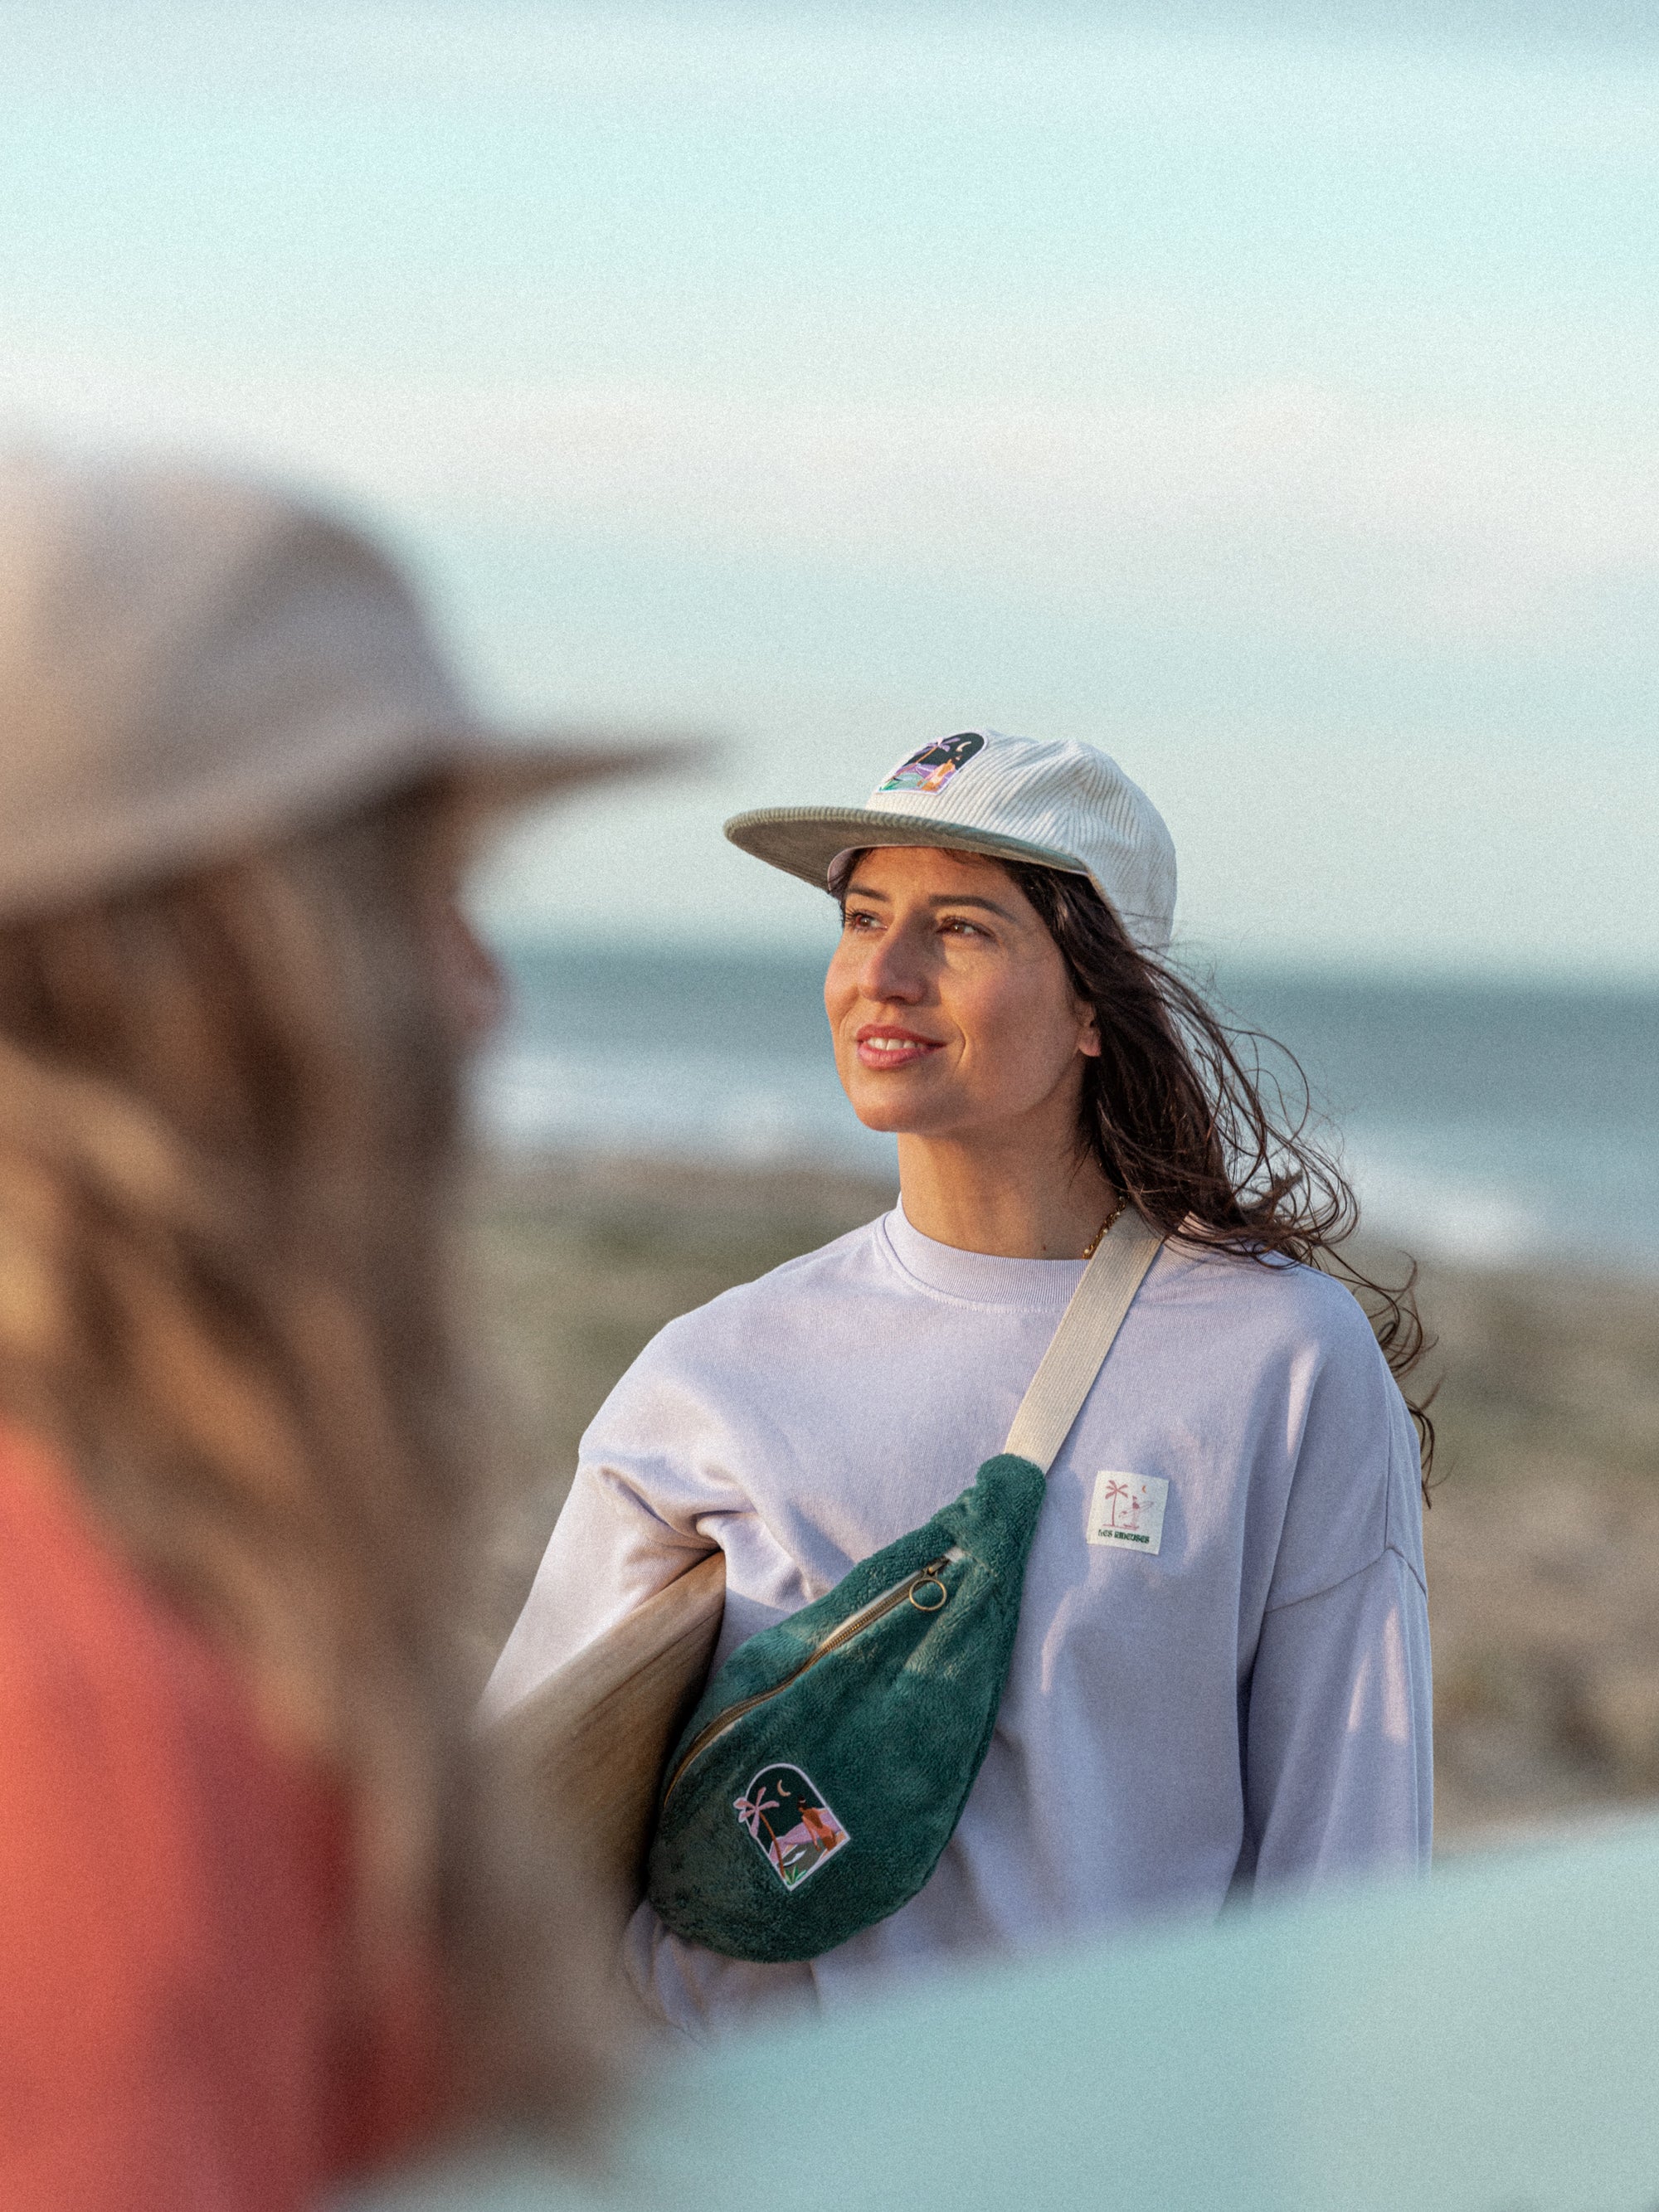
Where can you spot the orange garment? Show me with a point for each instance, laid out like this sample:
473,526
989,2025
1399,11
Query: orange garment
173,1896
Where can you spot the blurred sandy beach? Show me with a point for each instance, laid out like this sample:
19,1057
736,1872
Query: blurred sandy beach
1543,1539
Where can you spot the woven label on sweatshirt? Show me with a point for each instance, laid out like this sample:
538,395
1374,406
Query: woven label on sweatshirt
1128,1509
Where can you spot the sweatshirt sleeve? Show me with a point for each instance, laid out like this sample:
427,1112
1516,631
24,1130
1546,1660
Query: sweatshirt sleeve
653,1492
650,1496
1338,1740
1338,1731
609,1551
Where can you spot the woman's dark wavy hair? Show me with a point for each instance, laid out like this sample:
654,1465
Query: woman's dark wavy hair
1186,1119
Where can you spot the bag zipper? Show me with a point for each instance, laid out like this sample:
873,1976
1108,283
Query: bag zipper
843,1632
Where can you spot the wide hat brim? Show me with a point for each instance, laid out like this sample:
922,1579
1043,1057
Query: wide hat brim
254,800
194,665
803,840
502,771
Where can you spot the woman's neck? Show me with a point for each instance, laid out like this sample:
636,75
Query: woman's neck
1013,1201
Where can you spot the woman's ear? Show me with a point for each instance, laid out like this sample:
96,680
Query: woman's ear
1089,1043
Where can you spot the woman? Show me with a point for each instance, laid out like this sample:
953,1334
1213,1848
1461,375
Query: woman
262,1920
1221,1677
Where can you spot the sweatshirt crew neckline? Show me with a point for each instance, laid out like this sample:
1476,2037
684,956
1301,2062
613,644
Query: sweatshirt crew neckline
981,1279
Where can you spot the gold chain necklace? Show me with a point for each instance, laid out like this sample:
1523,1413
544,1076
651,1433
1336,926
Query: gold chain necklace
1099,1236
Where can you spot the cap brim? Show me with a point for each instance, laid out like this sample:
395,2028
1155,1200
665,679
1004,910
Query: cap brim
803,840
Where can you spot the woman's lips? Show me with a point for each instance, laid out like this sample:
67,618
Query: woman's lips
880,1045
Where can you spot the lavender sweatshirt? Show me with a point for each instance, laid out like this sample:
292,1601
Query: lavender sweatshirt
1243,1704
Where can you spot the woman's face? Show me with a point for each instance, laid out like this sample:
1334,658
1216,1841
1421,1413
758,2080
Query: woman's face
949,1001
471,988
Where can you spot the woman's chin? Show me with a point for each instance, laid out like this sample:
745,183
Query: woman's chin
890,1115
885,1122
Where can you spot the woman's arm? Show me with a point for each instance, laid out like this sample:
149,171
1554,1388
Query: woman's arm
1337,1718
609,1551
653,1490
1338,1758
649,1498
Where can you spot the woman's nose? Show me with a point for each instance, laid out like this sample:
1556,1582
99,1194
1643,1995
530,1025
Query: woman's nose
891,969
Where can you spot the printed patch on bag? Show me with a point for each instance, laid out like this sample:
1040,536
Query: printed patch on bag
1128,1508
792,1824
931,768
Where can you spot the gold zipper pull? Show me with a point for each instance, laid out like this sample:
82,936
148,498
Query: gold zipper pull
929,1579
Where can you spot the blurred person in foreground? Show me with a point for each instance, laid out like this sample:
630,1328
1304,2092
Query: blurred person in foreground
262,1920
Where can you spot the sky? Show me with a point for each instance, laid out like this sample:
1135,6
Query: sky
1265,394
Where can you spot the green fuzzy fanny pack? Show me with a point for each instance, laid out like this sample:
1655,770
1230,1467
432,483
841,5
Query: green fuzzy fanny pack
827,1763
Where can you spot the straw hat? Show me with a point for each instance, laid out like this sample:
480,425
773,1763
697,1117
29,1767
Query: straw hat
192,663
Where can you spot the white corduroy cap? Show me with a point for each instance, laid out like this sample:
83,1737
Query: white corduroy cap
192,663
1061,804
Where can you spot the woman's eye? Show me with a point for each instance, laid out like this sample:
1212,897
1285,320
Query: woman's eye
961,928
853,921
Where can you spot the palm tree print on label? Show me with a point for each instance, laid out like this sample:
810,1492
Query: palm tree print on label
791,1822
1114,1493
1128,1508
931,768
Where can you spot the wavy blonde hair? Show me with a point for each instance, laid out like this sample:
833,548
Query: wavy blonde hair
229,1108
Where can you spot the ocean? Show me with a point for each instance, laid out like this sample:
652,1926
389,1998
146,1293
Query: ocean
1496,1123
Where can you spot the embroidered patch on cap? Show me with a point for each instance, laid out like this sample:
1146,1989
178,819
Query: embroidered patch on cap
792,1824
1128,1508
931,768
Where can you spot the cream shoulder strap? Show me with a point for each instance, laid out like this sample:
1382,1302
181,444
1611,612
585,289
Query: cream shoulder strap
1078,1350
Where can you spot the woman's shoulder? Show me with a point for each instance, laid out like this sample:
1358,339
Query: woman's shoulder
779,1301
1297,1340
1281,1302
159,1851
751,1338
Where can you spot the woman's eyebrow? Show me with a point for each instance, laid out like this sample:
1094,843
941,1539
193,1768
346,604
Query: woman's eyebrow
950,898
935,899
990,906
